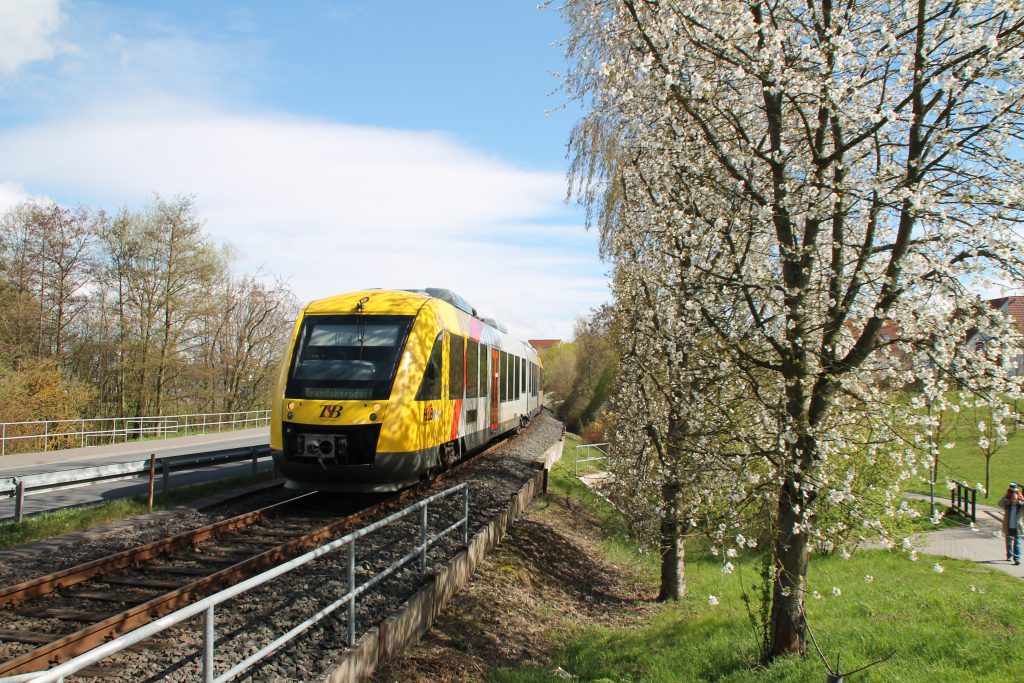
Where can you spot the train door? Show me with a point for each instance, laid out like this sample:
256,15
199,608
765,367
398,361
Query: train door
495,384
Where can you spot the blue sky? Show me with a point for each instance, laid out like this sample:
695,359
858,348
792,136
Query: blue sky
339,145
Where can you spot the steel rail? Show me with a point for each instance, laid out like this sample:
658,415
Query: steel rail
207,604
44,585
135,617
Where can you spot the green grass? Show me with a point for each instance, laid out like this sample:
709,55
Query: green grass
59,522
908,609
961,624
965,462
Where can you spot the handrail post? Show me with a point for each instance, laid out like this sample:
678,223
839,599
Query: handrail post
83,432
152,478
423,539
465,512
208,643
19,500
46,436
974,504
352,590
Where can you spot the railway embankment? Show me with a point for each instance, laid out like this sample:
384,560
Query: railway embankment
501,484
414,617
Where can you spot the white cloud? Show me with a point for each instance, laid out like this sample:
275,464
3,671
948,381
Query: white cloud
28,32
329,206
11,194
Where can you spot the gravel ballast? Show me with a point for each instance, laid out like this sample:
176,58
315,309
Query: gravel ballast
251,620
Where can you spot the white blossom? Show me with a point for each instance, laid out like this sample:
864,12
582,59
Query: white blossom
780,283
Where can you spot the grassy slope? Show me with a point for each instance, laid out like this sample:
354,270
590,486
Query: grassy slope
961,624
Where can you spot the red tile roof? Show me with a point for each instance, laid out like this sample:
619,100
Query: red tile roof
541,344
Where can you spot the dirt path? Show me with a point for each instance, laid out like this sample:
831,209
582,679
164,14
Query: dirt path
546,576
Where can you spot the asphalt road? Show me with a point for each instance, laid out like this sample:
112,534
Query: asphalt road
93,493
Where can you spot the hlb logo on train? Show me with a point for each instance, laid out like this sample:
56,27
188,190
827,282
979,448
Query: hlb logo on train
330,412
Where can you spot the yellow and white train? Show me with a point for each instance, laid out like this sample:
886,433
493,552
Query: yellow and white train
381,388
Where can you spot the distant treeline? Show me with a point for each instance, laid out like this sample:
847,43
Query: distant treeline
580,375
131,314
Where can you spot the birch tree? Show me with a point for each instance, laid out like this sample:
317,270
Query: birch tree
830,169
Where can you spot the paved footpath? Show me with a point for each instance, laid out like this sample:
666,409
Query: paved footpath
984,545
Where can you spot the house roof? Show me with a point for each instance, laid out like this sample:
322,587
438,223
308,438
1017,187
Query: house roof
1012,306
541,344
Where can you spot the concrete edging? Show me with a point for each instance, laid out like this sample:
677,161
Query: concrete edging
415,616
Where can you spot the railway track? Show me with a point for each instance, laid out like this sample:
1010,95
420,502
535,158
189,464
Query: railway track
53,618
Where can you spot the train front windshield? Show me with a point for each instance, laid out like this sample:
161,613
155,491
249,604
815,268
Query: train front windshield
347,357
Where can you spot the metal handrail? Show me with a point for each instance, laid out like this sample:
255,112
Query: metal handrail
107,430
206,605
587,446
964,499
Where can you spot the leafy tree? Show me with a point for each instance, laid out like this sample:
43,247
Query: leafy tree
141,306
593,373
814,172
559,363
37,387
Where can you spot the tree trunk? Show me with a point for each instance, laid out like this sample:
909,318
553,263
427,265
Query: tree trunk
672,545
988,463
788,635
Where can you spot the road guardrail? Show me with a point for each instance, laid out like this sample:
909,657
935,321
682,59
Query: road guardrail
18,487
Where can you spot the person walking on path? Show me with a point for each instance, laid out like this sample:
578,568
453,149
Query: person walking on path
1013,521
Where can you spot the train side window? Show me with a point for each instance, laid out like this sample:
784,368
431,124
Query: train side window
511,376
515,385
456,366
522,375
472,371
430,385
484,356
503,361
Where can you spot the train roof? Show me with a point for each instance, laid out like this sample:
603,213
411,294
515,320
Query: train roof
395,302
377,301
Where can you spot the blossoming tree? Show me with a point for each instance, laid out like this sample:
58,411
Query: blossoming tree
824,187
